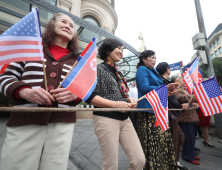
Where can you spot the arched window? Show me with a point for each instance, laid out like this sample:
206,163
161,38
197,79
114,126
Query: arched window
87,34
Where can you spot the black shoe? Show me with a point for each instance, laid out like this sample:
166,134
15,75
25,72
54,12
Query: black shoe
207,144
181,167
196,149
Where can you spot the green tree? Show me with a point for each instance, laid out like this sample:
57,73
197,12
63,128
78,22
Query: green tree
217,63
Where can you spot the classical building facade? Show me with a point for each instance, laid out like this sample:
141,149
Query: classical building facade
101,12
93,18
215,42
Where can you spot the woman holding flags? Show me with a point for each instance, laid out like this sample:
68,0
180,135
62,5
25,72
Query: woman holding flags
114,127
41,140
157,145
178,137
187,121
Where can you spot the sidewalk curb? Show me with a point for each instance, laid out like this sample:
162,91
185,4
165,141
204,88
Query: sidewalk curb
80,161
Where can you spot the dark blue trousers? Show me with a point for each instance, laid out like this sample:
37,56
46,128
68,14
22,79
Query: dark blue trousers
190,139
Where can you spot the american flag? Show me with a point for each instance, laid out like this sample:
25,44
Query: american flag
209,96
22,41
188,81
158,98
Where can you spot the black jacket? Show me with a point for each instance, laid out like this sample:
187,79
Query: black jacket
172,100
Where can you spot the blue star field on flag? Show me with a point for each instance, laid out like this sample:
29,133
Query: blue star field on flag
163,95
25,27
212,89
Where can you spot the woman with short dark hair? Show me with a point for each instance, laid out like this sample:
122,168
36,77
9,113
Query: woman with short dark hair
114,127
41,140
157,145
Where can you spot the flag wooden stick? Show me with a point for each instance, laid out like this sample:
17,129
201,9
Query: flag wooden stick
46,87
190,100
179,79
139,99
66,75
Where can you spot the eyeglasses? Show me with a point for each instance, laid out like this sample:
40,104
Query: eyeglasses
154,58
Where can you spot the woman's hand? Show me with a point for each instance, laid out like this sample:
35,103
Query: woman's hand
172,88
131,100
185,106
62,95
122,104
195,105
39,96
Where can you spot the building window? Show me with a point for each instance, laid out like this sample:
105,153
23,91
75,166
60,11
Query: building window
45,14
214,44
218,40
220,50
20,4
87,34
211,47
216,53
212,56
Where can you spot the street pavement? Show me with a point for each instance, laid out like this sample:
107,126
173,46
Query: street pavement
86,154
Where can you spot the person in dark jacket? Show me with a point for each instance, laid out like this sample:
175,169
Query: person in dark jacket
187,121
178,137
114,127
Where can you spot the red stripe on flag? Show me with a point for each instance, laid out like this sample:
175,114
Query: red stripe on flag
155,110
207,113
220,99
4,53
82,82
200,101
206,98
217,104
86,49
7,43
21,59
158,110
215,107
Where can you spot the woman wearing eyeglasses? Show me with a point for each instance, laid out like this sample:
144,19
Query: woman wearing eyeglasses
157,145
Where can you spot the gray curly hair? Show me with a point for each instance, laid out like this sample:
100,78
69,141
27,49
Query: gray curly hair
174,77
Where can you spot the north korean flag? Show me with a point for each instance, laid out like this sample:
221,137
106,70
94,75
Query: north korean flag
82,79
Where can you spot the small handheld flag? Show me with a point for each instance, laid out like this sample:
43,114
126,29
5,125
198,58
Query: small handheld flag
200,75
193,70
188,81
22,41
209,96
82,79
158,98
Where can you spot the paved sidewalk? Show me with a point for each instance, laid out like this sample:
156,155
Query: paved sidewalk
86,154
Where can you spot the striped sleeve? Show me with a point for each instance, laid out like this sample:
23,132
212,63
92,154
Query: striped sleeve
10,80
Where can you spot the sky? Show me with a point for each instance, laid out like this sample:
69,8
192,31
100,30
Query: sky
167,25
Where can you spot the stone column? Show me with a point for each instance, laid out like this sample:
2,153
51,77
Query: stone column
76,7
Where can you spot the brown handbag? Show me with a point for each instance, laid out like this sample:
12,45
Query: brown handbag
189,116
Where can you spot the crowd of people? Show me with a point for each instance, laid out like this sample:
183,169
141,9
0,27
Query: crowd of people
42,140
